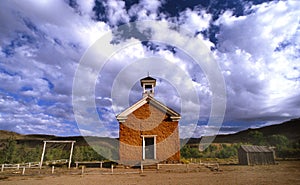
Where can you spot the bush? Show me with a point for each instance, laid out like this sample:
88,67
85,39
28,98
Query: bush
227,152
188,152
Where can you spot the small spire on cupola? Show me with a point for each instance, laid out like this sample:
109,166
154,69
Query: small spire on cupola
148,83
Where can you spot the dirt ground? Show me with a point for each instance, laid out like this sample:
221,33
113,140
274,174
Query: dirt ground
286,172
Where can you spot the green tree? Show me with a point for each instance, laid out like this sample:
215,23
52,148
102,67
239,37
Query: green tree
21,152
56,153
33,155
78,154
256,138
10,151
185,152
279,141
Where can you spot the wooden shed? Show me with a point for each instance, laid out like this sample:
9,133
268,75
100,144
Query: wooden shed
256,155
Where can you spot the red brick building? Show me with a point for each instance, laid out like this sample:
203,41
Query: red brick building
149,130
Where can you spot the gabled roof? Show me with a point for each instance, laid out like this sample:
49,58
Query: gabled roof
254,148
148,78
148,99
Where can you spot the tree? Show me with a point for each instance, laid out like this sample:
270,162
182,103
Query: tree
21,152
33,155
10,151
78,154
256,138
279,141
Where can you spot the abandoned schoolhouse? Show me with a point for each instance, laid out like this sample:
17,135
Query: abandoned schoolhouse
148,130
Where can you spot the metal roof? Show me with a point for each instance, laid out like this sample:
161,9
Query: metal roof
254,148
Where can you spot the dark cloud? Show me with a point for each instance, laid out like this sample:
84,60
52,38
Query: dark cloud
256,46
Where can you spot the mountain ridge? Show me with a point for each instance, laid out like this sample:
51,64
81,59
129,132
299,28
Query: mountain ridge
290,129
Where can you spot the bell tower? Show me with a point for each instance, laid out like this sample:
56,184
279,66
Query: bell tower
148,83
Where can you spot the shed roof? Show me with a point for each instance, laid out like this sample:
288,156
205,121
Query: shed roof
254,148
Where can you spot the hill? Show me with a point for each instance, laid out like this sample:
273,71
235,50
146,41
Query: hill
37,140
290,129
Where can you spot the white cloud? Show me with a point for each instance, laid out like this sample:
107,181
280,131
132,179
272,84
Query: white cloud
86,7
195,21
260,32
256,67
116,11
145,10
41,50
258,55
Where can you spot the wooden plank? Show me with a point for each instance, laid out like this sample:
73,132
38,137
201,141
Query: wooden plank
58,141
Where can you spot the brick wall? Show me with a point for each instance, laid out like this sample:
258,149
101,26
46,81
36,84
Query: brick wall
149,120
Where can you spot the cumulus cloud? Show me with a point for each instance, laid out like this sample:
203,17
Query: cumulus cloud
255,60
40,53
257,54
146,10
116,12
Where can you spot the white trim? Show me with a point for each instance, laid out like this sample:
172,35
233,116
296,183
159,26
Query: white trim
154,145
143,148
123,115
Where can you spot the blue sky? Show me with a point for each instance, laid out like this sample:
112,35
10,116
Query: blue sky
256,45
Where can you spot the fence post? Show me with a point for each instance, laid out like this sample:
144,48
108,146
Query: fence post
43,153
82,170
29,165
112,168
2,168
142,170
23,172
71,153
18,166
101,164
187,167
52,171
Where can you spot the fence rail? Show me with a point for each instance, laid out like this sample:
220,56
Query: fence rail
59,161
21,165
213,166
77,163
31,164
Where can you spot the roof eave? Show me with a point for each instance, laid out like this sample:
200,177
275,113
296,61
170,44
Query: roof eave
173,114
175,118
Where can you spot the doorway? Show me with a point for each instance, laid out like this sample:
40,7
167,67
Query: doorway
149,147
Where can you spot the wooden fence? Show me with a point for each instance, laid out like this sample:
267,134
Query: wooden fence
32,164
191,167
77,163
21,165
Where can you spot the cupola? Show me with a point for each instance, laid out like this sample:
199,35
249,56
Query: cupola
148,83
